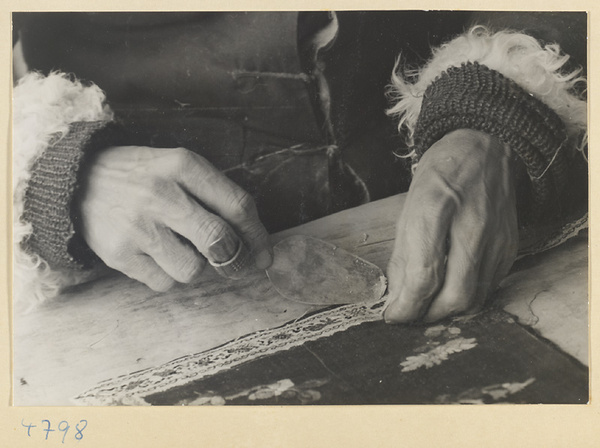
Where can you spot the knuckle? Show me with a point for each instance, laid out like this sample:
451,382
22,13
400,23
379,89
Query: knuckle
157,187
210,230
138,226
145,234
190,269
182,160
242,204
181,154
118,256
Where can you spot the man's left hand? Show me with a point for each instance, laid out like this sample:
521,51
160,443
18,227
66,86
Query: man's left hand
457,235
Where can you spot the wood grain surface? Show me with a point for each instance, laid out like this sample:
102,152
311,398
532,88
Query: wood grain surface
115,326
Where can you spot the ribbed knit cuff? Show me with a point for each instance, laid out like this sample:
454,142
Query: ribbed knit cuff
51,189
475,97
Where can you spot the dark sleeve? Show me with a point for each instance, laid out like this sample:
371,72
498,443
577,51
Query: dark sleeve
49,196
473,96
554,189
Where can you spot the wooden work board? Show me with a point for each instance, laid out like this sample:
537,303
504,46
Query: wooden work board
115,326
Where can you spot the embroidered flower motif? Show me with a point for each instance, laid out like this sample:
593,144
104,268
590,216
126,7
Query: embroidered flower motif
492,393
270,390
437,355
305,393
499,391
442,330
214,400
433,332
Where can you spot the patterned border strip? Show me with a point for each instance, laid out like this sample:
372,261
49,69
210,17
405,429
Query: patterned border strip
129,389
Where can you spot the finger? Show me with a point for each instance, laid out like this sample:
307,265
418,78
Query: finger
213,189
144,269
178,259
457,295
395,273
211,236
502,256
487,273
418,259
243,216
503,268
510,244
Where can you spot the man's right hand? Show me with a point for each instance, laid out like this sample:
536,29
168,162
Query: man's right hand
158,214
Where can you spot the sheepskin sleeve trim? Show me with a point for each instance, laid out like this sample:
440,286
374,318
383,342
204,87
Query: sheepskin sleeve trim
51,189
475,97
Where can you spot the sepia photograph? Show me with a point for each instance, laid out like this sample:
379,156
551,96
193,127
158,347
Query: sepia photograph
300,208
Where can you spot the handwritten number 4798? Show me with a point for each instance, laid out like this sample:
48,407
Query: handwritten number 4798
63,427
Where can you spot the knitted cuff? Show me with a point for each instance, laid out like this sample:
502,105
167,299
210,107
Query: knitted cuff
51,189
475,97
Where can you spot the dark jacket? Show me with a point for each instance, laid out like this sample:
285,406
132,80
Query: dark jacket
242,89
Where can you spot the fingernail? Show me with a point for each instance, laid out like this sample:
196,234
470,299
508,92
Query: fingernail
223,249
264,259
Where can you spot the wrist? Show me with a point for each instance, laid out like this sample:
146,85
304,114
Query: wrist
465,155
473,96
476,140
